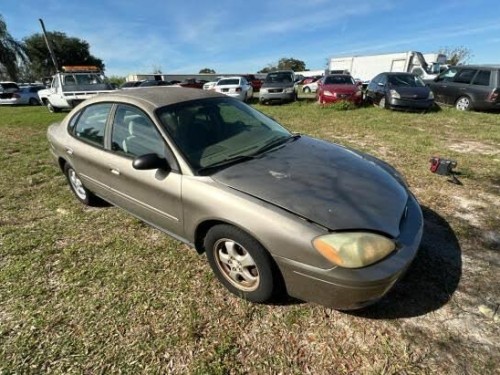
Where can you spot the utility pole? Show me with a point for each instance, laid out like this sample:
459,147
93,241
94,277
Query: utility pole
54,61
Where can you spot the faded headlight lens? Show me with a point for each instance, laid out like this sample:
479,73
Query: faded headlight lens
354,249
431,95
395,94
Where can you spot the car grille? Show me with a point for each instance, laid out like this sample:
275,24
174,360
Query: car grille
275,90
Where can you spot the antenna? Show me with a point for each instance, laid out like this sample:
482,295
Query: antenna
49,46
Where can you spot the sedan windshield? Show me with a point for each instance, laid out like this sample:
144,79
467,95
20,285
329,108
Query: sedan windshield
216,131
405,80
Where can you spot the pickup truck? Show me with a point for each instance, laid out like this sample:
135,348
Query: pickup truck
72,86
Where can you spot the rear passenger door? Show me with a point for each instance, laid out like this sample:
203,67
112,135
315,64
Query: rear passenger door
460,85
480,87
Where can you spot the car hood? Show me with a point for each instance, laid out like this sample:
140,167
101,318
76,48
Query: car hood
325,183
412,92
344,89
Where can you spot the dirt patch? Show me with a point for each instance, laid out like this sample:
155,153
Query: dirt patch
471,147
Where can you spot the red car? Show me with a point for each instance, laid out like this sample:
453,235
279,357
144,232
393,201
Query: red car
337,87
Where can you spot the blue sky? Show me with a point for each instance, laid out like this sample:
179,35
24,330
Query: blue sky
234,36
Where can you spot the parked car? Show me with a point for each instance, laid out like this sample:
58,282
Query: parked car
153,82
268,207
338,87
254,81
310,87
130,84
210,85
308,80
279,86
25,95
399,91
236,87
192,83
7,91
468,87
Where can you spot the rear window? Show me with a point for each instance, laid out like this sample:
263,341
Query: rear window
222,82
465,75
482,78
9,87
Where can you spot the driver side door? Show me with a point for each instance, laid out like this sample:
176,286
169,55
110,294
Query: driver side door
152,195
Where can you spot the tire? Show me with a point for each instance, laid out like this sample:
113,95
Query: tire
52,109
240,263
463,103
33,101
306,90
382,103
84,195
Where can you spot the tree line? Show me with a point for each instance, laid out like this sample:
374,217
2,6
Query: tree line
29,60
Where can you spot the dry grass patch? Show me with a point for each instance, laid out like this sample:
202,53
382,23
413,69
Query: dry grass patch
96,291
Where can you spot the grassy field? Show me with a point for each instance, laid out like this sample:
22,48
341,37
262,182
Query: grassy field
94,291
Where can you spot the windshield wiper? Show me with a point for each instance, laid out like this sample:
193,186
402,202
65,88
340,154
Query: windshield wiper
226,162
278,142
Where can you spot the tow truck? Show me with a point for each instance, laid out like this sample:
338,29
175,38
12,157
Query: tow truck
73,85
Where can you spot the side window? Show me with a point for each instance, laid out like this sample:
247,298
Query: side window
383,80
447,75
465,75
482,78
134,134
91,124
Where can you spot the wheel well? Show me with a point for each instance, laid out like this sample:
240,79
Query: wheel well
61,162
201,232
45,101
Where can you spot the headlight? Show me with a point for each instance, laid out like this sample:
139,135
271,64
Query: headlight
263,91
395,94
328,93
431,95
353,249
289,90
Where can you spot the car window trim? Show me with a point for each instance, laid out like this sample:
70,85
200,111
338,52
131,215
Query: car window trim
171,159
77,117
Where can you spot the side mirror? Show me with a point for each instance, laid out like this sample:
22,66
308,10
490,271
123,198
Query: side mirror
150,161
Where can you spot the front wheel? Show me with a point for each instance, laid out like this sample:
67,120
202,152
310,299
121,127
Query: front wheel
463,104
240,263
52,109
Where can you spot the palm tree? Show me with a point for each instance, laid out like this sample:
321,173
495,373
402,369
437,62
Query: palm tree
11,52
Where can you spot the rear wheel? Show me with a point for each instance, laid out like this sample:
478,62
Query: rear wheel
307,90
240,263
81,192
33,101
463,103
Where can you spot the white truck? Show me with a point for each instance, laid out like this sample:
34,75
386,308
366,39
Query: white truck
72,86
364,68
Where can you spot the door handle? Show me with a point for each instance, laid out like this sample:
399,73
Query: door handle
115,171
69,151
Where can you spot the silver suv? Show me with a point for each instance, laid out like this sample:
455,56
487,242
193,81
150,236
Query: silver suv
468,87
278,86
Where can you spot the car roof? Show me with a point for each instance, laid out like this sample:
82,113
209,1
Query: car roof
155,96
478,66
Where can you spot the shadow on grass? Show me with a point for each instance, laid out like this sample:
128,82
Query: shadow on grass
430,281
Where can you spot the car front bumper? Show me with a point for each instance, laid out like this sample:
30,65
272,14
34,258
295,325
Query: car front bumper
266,96
418,104
349,289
